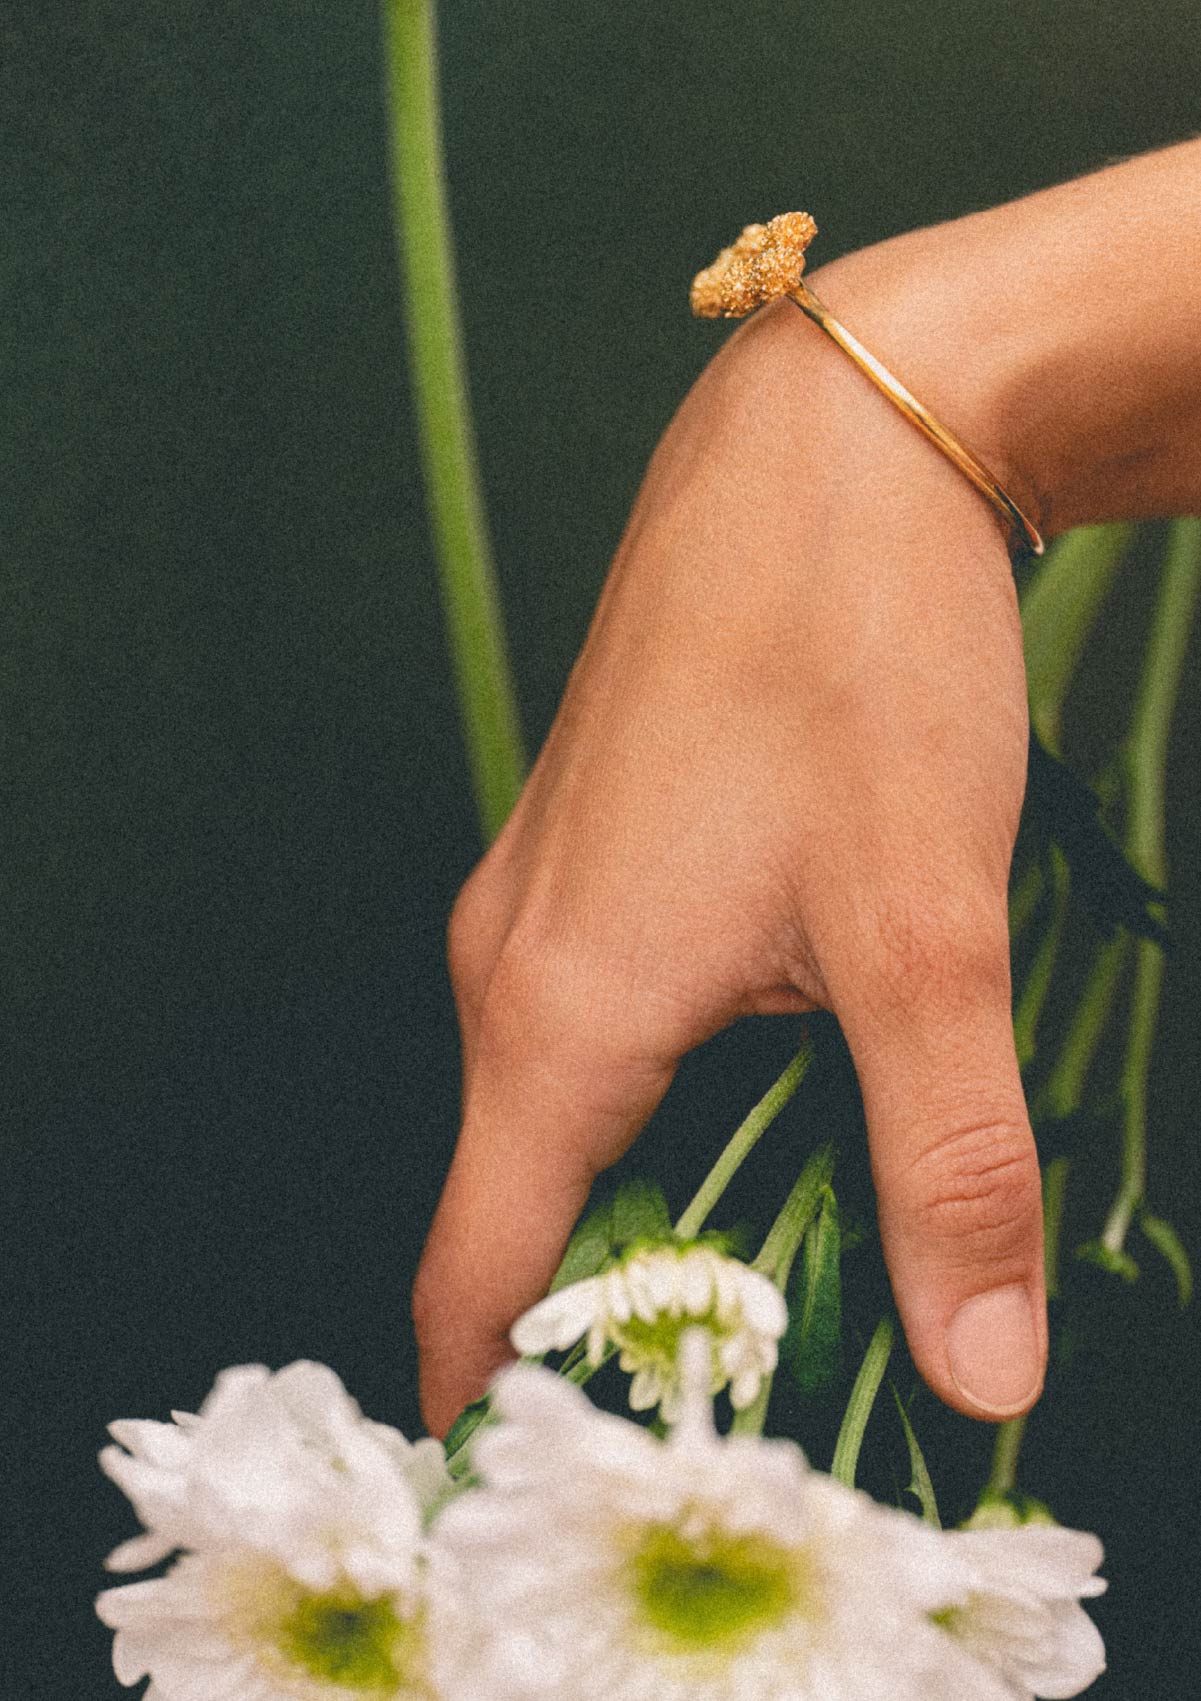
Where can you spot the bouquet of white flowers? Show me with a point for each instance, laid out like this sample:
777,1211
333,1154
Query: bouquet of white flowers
321,1556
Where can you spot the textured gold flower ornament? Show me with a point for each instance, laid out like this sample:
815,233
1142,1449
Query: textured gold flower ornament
766,261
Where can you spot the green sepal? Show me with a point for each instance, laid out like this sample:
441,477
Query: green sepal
1009,1512
1105,1258
640,1214
1165,1240
636,1213
812,1344
920,1485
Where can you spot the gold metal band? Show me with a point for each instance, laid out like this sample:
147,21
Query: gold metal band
1026,535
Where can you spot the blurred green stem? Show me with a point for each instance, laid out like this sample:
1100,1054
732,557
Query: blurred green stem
471,604
1146,769
1038,979
1059,610
1064,1089
1024,899
1055,1186
1010,1435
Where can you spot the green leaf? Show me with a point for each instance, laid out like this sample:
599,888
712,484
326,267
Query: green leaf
461,1431
640,1213
812,1345
920,1485
1165,1240
859,1406
590,1244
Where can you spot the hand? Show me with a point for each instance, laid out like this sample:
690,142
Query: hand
786,773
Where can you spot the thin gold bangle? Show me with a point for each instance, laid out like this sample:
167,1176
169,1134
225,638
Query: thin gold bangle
1026,533
765,262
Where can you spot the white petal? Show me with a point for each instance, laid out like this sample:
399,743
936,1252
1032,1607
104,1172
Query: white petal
559,1320
744,1388
696,1282
645,1390
618,1300
763,1304
139,1553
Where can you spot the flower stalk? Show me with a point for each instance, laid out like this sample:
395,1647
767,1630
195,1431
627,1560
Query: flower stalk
742,1142
777,1255
1146,758
779,1249
471,603
859,1406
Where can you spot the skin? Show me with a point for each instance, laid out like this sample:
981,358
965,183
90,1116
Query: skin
789,763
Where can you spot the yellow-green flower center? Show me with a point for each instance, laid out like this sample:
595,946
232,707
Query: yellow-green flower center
657,1344
343,1639
714,1591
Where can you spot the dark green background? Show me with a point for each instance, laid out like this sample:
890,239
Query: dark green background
235,805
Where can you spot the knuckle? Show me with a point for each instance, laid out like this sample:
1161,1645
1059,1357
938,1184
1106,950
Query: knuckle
538,989
978,1188
954,950
470,933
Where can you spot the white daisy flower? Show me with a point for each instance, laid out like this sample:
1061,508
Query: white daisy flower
644,1304
598,1563
302,1522
1021,1622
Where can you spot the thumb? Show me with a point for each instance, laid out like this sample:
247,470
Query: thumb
956,1172
547,1107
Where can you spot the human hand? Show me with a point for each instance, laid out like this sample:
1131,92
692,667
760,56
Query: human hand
786,773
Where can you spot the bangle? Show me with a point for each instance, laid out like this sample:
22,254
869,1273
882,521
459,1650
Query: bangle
767,261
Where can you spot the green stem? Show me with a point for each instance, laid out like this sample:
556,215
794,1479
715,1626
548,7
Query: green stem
1006,1449
1059,610
1038,980
475,627
1064,1088
784,1237
776,1258
1147,767
742,1141
859,1406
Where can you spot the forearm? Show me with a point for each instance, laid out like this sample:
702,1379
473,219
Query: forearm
1060,335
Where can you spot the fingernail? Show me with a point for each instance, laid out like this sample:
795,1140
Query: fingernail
992,1348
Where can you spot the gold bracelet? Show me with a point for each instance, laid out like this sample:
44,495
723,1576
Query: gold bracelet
766,262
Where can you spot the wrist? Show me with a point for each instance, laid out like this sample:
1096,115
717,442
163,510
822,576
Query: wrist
1075,378
922,304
